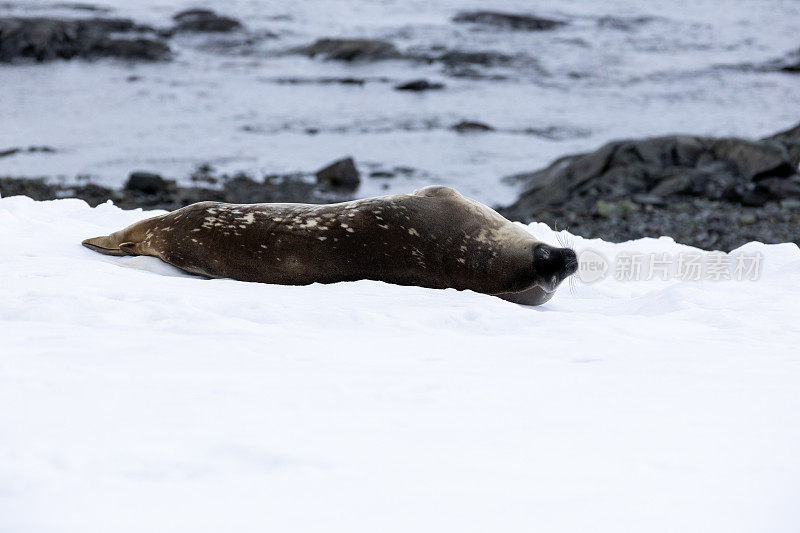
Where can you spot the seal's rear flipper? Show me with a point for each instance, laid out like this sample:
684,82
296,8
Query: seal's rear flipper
108,246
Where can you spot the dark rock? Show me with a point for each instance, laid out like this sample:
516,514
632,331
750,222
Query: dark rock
511,21
45,39
35,188
381,174
41,149
204,173
241,189
779,188
322,81
419,85
740,171
346,81
790,139
139,48
351,49
30,150
92,193
204,21
146,182
405,171
470,126
754,159
341,174
790,64
192,14
341,81
149,193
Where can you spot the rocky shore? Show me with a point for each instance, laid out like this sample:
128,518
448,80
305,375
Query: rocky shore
149,190
46,39
714,193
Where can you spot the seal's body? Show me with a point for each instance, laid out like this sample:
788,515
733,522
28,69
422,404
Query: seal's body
434,238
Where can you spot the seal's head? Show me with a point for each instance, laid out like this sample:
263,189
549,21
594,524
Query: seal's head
553,265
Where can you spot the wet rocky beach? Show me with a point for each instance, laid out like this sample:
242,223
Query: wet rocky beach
751,193
465,101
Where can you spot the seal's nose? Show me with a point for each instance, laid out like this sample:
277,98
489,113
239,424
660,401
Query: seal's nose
550,261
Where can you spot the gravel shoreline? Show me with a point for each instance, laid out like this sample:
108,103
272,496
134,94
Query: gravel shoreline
706,224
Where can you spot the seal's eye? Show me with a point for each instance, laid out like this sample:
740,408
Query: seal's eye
542,254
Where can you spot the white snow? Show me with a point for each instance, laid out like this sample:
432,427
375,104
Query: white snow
137,398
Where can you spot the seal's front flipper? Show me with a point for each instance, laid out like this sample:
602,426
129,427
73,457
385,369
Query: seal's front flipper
534,296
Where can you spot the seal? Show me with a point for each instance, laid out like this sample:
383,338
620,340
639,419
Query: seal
434,237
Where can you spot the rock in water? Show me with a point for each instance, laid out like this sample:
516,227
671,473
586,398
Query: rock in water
31,150
46,39
146,182
350,49
471,126
511,21
204,20
419,85
341,174
790,64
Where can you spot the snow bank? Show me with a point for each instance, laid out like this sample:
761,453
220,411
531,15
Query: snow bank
137,398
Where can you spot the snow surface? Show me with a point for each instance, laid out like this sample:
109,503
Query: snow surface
137,398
